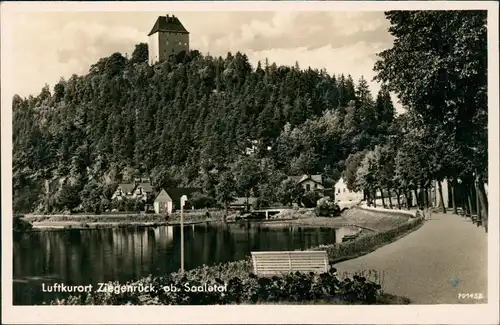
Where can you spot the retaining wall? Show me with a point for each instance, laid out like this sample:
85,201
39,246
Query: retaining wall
411,213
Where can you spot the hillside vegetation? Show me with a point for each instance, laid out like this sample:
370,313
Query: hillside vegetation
189,121
186,122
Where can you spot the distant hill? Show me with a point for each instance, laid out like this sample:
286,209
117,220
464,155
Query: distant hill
182,122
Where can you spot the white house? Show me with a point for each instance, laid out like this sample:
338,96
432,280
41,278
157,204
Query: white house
342,193
163,203
171,198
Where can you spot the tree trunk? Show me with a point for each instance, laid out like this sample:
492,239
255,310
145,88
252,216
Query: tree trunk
425,199
428,196
397,198
382,197
389,197
417,198
463,199
374,198
478,206
407,200
483,199
452,187
468,194
441,199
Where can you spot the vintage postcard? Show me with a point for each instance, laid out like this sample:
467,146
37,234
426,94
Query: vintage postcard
253,163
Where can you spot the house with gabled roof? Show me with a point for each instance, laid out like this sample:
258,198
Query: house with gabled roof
124,191
170,198
310,183
143,190
163,203
140,189
342,193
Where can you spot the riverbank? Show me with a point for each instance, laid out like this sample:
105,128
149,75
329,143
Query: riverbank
371,220
78,221
365,219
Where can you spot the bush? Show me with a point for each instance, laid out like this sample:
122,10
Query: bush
310,198
367,242
201,201
19,224
243,287
327,208
261,202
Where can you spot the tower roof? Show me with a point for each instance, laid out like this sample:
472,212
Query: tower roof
168,24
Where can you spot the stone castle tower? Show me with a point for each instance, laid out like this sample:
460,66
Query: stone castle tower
167,37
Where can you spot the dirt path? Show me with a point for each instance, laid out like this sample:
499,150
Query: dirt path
445,257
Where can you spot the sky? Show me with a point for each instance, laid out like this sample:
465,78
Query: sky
51,45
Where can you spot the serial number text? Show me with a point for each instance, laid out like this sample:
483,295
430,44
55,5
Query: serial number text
474,295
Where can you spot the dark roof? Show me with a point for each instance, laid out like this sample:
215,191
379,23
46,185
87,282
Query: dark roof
168,24
299,179
127,187
176,193
317,178
146,187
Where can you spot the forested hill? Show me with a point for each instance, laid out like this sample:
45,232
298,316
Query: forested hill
186,122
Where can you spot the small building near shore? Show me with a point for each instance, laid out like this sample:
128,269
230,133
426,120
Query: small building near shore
170,198
163,203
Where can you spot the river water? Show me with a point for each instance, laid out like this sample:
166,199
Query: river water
82,257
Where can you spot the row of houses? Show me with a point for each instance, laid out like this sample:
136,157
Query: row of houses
339,190
168,199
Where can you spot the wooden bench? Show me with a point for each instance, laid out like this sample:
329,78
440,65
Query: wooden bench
279,263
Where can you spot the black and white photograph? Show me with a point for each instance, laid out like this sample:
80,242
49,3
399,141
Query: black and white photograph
262,155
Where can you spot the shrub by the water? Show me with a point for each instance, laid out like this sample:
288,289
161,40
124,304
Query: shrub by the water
327,208
368,242
242,288
19,224
310,198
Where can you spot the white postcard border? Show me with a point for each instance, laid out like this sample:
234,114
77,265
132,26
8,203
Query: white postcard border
268,314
